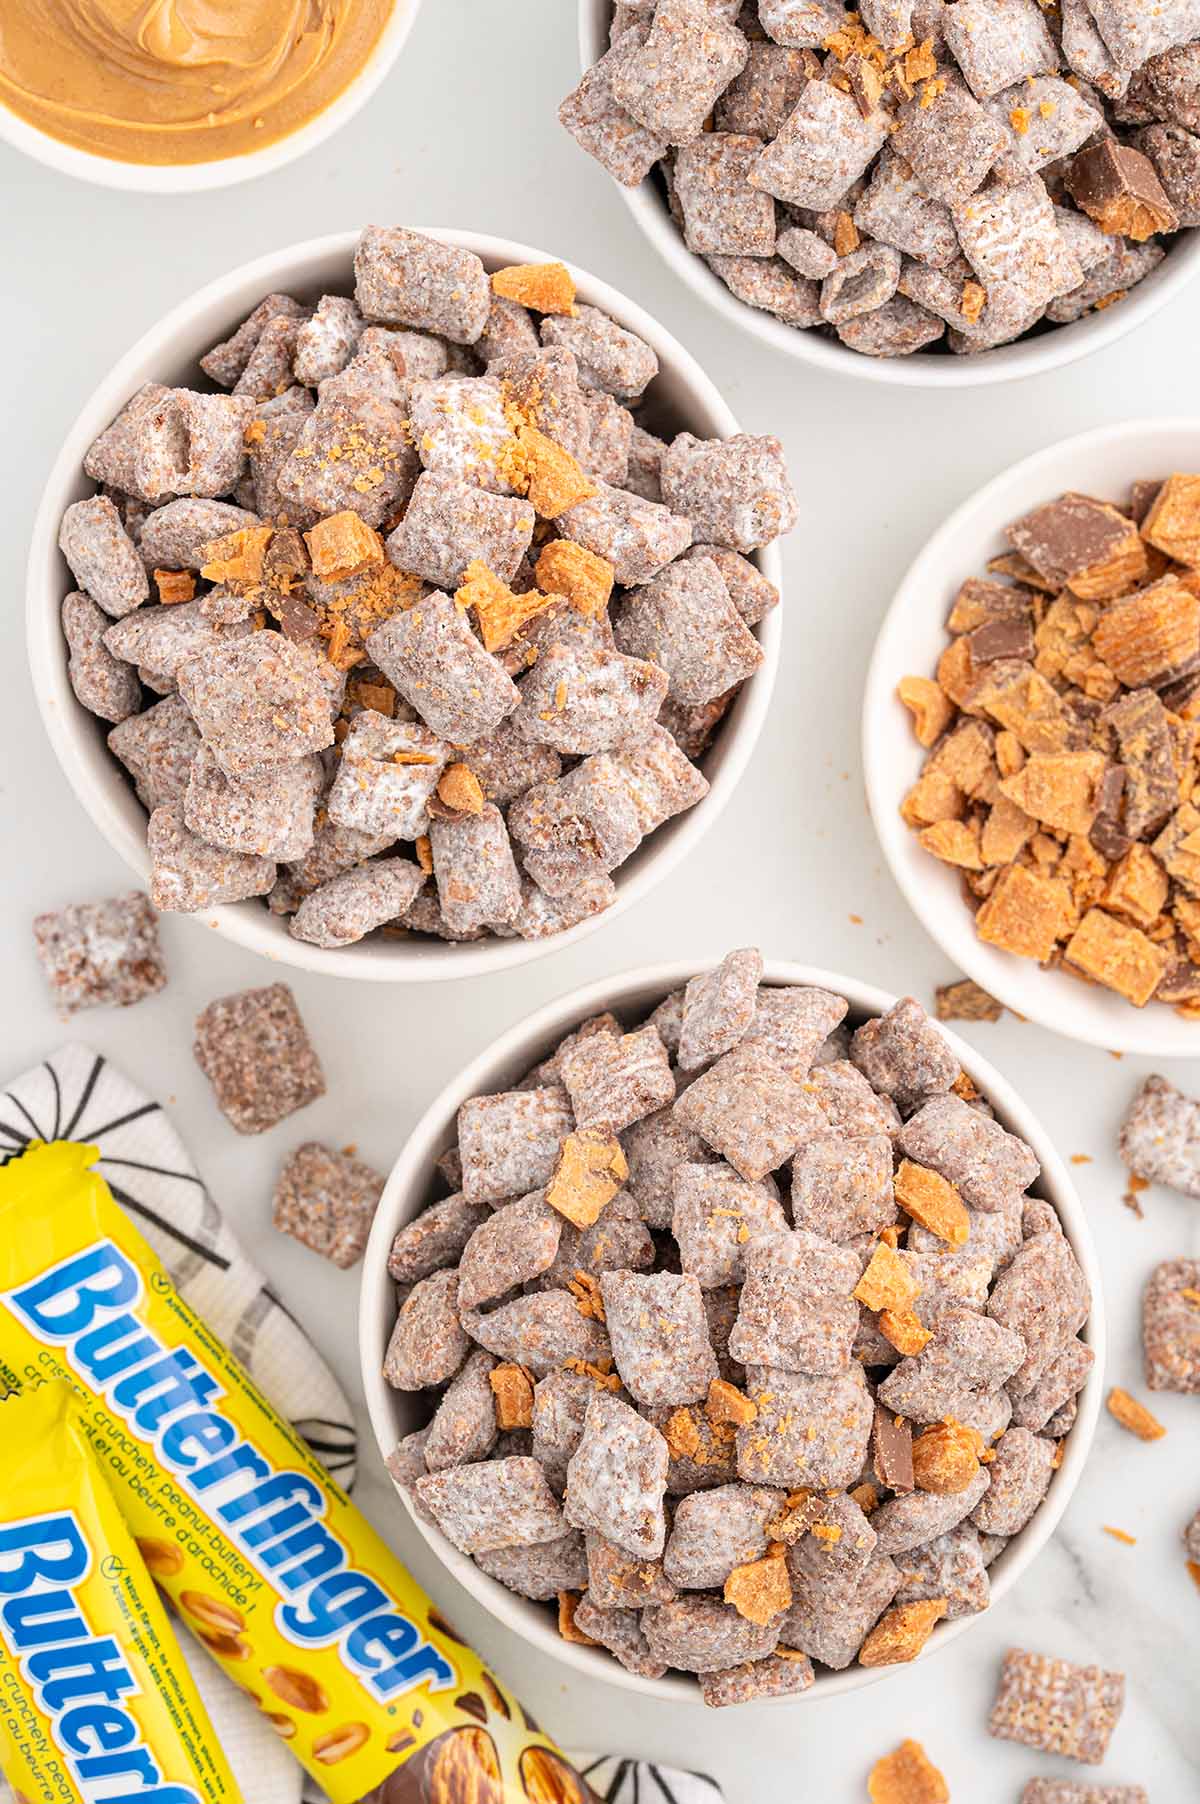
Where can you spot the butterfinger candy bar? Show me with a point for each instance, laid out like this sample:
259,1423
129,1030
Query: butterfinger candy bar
97,1695
266,1559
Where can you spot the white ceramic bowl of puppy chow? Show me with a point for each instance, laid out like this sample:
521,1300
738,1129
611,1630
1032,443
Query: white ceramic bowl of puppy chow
412,1185
1102,463
681,397
224,171
1048,349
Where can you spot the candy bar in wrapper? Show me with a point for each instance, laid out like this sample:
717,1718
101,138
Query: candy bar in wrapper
96,1701
267,1560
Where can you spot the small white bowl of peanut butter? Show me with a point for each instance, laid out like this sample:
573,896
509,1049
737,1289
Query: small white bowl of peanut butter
172,96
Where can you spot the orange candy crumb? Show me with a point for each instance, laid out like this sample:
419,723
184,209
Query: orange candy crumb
512,1390
907,1776
546,287
1134,1415
760,1590
900,1635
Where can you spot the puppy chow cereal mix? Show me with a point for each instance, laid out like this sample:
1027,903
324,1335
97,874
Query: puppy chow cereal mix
902,178
764,1384
397,529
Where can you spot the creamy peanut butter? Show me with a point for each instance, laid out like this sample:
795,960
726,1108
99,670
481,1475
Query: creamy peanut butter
180,81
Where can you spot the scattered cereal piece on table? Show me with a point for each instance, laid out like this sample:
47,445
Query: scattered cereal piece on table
327,1200
1057,1707
101,954
256,1053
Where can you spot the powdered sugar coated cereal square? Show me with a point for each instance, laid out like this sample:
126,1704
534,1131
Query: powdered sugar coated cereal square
1057,1707
748,1110
327,1200
510,1142
404,278
388,771
97,954
617,1477
356,902
494,1503
659,1335
735,491
718,1008
810,1430
716,1217
614,1080
796,1312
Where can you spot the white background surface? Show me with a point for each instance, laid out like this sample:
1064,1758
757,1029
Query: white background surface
464,134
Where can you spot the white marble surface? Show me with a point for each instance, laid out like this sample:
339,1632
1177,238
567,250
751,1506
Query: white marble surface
464,133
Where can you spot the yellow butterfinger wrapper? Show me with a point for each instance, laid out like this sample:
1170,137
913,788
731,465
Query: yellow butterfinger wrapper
96,1701
271,1565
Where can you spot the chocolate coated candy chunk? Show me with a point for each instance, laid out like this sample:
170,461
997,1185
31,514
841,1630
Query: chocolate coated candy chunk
1118,187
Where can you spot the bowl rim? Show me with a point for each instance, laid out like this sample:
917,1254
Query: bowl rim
1049,998
224,172
84,761
1006,363
513,1051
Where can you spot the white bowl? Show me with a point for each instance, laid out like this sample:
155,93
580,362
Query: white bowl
911,639
168,353
225,172
1008,363
411,1186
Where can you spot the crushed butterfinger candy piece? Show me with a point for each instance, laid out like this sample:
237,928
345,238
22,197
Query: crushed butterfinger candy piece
174,586
236,559
1133,1415
930,707
343,545
1118,955
544,287
887,1283
759,1590
1026,913
500,613
794,1521
902,1633
681,1435
554,479
905,1330
585,1288
589,1171
1145,637
565,568
458,787
1173,522
928,1198
512,1389
907,1776
725,1403
946,1458
568,1604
